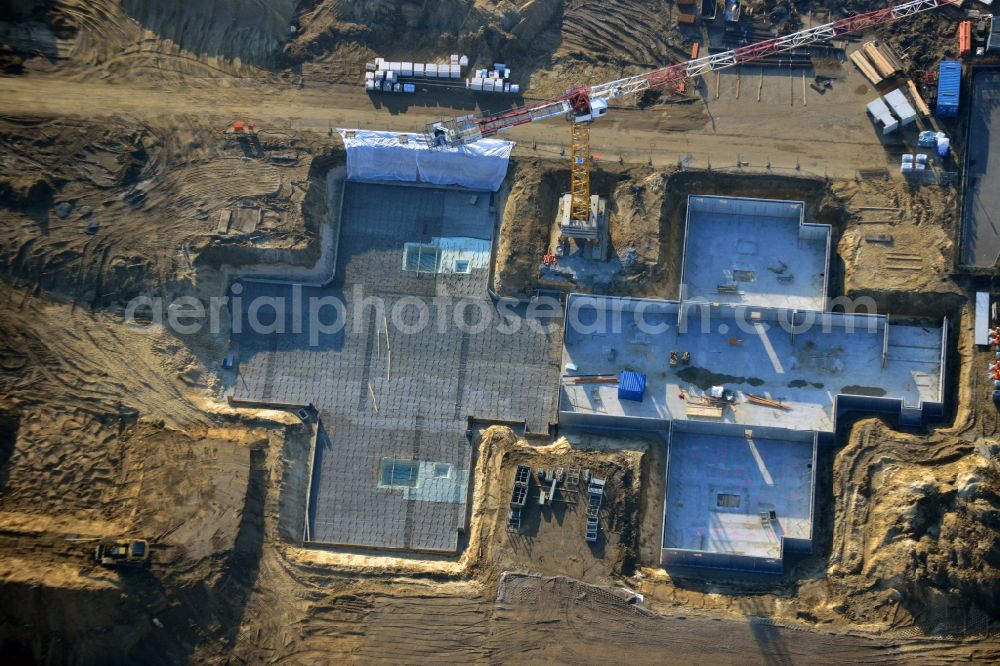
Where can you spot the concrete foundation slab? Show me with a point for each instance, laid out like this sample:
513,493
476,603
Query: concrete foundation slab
416,407
738,494
754,251
810,368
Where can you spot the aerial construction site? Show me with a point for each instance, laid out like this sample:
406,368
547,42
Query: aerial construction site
643,331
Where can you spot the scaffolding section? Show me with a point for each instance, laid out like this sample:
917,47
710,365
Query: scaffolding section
595,495
518,497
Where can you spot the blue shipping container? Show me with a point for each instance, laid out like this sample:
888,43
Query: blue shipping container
949,87
631,385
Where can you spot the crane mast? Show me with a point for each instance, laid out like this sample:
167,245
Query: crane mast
582,104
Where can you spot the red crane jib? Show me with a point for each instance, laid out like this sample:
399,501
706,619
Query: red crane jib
579,97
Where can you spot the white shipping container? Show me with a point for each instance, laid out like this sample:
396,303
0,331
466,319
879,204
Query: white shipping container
395,66
431,70
982,331
454,59
515,88
477,83
390,76
397,88
456,71
488,85
370,85
369,76
464,61
418,69
380,63
406,69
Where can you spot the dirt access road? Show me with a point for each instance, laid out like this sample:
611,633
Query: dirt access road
779,130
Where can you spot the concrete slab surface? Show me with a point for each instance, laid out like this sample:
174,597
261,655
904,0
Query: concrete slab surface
717,486
757,247
804,371
440,373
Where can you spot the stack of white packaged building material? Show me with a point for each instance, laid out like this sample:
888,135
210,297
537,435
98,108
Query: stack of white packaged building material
901,107
882,116
382,72
493,81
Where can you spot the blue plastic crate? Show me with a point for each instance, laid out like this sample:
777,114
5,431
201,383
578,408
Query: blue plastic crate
631,385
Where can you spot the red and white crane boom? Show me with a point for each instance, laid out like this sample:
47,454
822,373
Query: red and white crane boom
584,104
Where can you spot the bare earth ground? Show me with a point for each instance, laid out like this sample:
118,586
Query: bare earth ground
113,176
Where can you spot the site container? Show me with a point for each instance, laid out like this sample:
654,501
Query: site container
456,71
453,59
631,385
477,83
982,330
409,88
406,69
515,88
949,88
431,70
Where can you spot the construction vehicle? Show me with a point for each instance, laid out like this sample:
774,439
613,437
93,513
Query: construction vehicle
582,105
241,128
118,552
121,552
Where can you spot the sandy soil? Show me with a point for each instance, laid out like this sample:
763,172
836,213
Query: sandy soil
113,175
